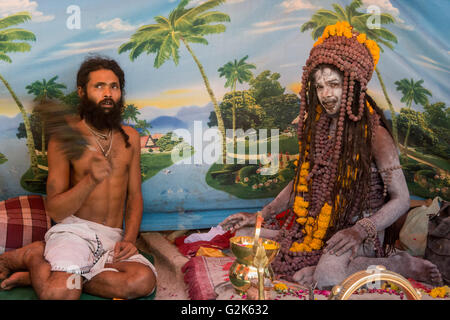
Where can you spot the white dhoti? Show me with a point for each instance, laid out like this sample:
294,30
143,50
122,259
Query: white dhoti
84,247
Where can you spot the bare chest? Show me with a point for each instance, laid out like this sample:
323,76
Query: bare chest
117,155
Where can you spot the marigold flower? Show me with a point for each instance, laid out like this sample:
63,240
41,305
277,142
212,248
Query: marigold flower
280,287
304,247
369,107
320,233
323,221
319,109
301,220
326,209
301,212
319,41
307,239
308,229
332,30
316,244
439,292
361,38
348,34
300,202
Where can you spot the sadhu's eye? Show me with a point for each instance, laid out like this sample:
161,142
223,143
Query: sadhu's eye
334,85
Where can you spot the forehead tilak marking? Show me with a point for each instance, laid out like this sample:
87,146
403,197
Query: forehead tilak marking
326,75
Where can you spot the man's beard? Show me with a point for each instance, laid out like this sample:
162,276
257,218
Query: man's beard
98,117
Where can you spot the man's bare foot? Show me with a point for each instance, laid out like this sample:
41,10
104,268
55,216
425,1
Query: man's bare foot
419,269
14,260
305,276
5,268
17,279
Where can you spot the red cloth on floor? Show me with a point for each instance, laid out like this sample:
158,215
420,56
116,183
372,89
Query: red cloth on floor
203,274
221,241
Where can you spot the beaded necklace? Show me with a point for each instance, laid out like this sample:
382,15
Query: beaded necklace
98,135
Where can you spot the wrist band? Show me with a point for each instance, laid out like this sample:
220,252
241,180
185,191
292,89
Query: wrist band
370,228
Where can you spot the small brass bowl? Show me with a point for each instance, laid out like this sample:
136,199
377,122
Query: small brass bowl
242,272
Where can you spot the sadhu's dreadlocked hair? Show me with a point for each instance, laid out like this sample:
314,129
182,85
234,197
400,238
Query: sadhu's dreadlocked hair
351,182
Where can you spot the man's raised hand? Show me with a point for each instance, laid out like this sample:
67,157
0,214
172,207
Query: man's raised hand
100,168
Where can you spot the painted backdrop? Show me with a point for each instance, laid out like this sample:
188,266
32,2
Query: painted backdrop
237,70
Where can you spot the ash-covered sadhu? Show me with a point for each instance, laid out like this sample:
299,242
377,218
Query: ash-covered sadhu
333,180
349,186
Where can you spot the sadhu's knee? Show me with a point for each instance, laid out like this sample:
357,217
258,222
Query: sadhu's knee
329,271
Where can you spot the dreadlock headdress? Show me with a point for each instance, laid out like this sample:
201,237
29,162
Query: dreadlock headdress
334,172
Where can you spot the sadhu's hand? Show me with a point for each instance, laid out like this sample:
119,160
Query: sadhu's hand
123,250
238,220
347,239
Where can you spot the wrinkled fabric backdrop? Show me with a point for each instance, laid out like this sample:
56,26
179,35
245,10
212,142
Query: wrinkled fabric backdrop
263,37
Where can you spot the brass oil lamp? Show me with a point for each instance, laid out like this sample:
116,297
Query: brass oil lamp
253,258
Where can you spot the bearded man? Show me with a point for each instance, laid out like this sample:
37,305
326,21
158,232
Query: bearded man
349,186
90,197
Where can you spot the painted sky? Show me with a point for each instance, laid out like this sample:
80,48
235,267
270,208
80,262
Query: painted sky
266,30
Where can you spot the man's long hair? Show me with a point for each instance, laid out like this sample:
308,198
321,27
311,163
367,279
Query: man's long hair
87,109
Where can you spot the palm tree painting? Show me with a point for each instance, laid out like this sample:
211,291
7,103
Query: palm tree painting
183,25
15,40
382,36
3,159
412,91
142,126
45,90
130,113
234,72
